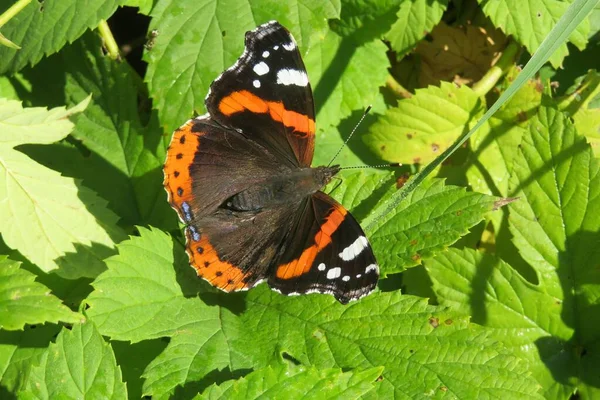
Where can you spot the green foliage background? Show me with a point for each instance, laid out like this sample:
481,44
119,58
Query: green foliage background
490,275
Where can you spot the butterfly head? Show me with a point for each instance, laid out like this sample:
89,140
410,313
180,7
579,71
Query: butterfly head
322,175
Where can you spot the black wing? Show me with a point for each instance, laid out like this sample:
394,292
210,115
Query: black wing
266,96
328,253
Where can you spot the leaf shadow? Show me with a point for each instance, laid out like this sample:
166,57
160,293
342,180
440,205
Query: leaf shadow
191,389
333,73
578,269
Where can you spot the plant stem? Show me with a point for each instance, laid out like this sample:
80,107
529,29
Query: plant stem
13,10
109,40
491,78
392,84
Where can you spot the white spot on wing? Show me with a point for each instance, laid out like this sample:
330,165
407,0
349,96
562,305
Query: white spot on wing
334,273
346,278
261,68
256,83
372,267
350,252
321,267
275,47
358,276
266,54
289,46
292,77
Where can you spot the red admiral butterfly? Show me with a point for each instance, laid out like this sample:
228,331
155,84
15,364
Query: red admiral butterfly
240,178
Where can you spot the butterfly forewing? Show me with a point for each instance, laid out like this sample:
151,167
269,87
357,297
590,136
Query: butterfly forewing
266,95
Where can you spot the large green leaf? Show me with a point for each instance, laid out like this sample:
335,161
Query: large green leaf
79,365
296,382
530,22
431,218
554,323
43,29
423,126
419,345
23,301
50,219
126,144
188,56
415,19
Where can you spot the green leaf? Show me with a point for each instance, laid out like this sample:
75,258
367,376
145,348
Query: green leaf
362,191
555,224
23,301
531,24
366,20
345,77
43,29
494,148
126,143
139,297
20,351
296,382
429,219
420,346
188,56
50,219
415,19
423,126
79,365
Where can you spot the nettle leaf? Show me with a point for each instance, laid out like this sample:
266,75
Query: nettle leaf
531,24
140,297
366,20
423,126
126,145
296,382
414,20
344,77
428,220
129,152
425,350
24,301
20,351
363,191
188,56
79,365
494,148
555,224
50,219
43,29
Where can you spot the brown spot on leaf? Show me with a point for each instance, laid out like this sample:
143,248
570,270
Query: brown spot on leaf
435,147
434,322
448,321
414,242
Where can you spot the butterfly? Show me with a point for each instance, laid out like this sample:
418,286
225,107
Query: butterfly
240,178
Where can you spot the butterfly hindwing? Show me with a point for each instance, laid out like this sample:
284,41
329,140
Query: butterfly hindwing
328,253
266,95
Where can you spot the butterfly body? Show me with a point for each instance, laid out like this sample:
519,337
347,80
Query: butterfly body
241,179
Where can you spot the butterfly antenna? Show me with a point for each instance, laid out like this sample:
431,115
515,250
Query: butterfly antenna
349,136
390,165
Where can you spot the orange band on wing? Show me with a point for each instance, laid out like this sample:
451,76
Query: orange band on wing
208,265
302,264
244,100
180,155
